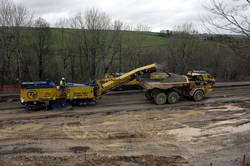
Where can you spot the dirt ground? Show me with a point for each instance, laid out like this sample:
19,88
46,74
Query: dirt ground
125,129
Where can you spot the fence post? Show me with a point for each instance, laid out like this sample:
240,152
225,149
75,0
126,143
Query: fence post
244,160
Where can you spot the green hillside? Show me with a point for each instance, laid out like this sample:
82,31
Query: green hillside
146,38
32,54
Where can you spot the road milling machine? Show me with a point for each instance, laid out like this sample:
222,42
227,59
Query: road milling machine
47,93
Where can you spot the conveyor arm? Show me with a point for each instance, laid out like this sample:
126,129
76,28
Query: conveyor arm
118,81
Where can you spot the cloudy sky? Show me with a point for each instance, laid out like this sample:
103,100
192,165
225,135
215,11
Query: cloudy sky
158,14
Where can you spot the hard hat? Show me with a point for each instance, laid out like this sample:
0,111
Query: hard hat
63,78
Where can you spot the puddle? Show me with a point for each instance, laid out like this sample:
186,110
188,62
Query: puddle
185,134
21,128
225,122
78,131
213,130
222,130
239,114
228,107
116,145
110,122
187,114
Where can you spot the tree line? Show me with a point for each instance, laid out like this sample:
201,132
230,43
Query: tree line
88,45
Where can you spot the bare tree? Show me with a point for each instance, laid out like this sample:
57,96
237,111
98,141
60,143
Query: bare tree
96,23
113,47
69,48
96,40
182,46
41,44
232,16
118,25
14,14
12,17
142,28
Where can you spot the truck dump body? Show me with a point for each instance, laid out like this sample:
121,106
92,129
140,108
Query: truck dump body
173,80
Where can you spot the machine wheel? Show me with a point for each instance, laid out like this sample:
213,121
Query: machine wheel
50,105
93,102
29,108
198,95
173,97
148,95
160,98
120,88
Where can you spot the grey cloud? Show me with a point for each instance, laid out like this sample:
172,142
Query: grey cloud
157,14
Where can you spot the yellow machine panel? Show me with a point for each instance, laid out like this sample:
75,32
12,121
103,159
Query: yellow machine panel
83,92
43,94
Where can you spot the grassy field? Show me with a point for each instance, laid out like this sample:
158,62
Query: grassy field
146,38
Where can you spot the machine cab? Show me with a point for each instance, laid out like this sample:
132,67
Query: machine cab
200,76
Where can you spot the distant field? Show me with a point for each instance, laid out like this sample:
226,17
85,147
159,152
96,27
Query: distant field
146,38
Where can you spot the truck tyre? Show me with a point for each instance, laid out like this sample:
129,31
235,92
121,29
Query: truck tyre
160,98
148,95
198,95
173,97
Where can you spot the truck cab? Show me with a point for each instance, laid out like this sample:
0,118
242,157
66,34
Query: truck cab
201,75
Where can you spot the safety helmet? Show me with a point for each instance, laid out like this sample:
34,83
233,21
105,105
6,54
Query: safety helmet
63,78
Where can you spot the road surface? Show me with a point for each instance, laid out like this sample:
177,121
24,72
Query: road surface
126,129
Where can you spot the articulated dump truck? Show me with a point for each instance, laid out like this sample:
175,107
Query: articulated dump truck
162,88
